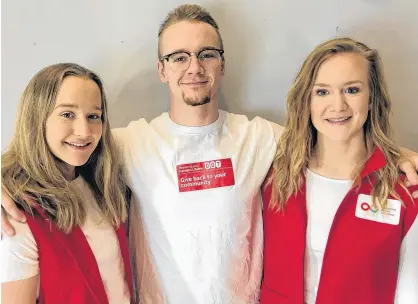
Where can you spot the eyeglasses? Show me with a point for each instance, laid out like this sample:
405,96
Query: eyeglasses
180,61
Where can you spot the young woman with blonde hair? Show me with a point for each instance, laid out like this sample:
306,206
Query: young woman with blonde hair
64,162
339,224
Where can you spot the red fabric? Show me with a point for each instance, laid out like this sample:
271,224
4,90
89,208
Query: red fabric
361,257
68,268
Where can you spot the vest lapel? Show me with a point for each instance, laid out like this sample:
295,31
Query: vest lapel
296,208
79,250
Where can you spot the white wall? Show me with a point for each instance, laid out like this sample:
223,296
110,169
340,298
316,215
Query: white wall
265,41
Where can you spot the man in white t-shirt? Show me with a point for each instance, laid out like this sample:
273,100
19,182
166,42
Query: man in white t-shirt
196,171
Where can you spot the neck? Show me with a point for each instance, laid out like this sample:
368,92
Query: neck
70,173
194,116
336,159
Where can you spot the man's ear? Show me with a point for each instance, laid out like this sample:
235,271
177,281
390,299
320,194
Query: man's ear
161,71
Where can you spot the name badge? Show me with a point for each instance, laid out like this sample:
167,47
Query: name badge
366,211
205,175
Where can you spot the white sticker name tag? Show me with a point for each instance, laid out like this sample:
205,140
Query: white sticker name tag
390,215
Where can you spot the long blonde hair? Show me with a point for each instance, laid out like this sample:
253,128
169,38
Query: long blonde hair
29,169
296,145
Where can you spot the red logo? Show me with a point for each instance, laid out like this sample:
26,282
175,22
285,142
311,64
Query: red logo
366,207
205,175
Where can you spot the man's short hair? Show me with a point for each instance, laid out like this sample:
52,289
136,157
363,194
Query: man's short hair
188,12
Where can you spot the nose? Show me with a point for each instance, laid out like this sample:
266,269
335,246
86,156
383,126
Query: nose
82,127
195,67
339,103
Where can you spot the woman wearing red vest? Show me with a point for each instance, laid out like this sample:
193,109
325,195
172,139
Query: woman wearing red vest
340,226
64,162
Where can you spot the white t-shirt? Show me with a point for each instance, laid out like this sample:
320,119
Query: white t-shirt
324,196
205,245
19,254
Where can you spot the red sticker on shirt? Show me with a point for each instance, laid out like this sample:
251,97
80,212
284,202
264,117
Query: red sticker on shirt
205,175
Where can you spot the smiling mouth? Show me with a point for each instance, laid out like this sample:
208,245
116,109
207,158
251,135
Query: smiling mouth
78,146
197,83
338,120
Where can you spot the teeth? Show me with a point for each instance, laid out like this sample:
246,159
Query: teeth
77,145
338,119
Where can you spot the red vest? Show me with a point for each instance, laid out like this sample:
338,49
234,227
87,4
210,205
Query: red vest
68,269
361,256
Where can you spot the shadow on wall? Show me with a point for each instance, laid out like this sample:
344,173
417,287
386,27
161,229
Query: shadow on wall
137,92
241,42
398,52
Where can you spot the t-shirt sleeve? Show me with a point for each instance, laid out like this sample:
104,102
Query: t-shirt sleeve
119,135
278,130
18,254
407,289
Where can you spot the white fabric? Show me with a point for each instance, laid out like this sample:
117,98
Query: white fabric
19,254
324,196
407,289
206,245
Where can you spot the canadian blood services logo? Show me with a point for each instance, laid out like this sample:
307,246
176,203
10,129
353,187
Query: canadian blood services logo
366,207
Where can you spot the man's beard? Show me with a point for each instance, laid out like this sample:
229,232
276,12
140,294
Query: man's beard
194,102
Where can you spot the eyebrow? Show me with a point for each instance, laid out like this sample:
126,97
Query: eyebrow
347,83
73,106
199,50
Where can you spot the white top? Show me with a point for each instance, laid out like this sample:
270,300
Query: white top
205,245
324,196
19,254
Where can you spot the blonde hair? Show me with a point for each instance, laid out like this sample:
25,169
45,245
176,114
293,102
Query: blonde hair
30,170
188,12
297,144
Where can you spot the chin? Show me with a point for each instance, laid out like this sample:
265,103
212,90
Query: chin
197,101
77,162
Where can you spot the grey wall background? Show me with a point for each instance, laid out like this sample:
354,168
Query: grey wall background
265,41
